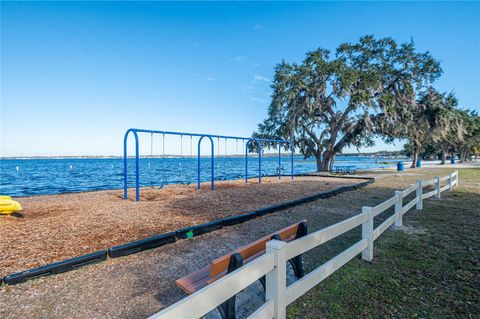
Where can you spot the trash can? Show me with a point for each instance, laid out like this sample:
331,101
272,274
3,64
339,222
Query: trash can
452,160
419,163
400,167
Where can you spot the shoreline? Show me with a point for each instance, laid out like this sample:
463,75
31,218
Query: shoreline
283,154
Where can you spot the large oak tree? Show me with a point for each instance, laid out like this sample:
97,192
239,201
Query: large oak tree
327,103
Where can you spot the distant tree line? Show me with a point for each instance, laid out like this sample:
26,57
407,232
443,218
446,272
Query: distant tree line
372,88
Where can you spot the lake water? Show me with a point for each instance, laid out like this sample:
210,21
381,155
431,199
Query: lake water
25,177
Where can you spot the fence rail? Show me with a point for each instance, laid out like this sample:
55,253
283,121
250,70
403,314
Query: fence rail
273,263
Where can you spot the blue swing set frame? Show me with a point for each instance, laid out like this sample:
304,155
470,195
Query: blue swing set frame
248,140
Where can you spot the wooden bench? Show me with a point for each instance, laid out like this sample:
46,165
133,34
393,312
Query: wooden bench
234,260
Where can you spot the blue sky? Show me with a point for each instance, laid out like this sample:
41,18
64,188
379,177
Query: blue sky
75,76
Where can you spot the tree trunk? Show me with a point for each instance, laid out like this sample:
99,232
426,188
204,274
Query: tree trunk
444,154
327,162
318,158
330,167
465,154
416,150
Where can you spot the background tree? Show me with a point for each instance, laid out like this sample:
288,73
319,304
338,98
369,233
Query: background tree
425,123
446,124
476,151
427,151
324,104
441,126
471,122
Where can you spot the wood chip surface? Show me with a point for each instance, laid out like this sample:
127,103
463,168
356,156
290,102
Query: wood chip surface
56,227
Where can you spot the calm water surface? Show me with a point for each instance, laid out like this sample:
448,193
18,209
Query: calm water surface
25,177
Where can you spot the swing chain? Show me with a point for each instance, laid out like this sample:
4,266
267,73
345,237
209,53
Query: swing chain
163,146
151,144
218,157
181,146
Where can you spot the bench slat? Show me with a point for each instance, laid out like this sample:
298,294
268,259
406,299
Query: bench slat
246,261
194,281
221,264
223,273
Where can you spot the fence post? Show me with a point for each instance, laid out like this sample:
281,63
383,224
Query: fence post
276,281
437,186
367,233
450,185
456,178
398,209
419,195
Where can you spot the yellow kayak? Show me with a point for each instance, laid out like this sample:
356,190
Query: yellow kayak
8,205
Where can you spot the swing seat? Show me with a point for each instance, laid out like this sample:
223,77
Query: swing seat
228,177
174,183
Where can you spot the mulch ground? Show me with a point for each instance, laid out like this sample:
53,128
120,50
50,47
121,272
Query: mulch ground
56,227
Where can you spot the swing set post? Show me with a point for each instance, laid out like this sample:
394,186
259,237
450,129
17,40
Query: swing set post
291,156
259,159
279,161
137,166
212,181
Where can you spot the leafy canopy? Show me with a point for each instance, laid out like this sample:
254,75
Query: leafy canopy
325,103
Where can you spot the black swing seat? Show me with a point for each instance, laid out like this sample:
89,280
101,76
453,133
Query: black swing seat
170,183
228,177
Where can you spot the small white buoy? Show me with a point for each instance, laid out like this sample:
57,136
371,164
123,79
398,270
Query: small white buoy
71,166
17,168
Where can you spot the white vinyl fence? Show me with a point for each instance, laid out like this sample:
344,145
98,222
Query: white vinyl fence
273,262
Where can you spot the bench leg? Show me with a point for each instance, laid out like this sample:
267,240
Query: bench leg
297,262
262,281
297,266
227,309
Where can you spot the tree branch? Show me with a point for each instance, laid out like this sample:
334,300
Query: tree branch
310,133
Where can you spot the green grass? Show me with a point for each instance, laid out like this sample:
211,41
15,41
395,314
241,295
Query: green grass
430,270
